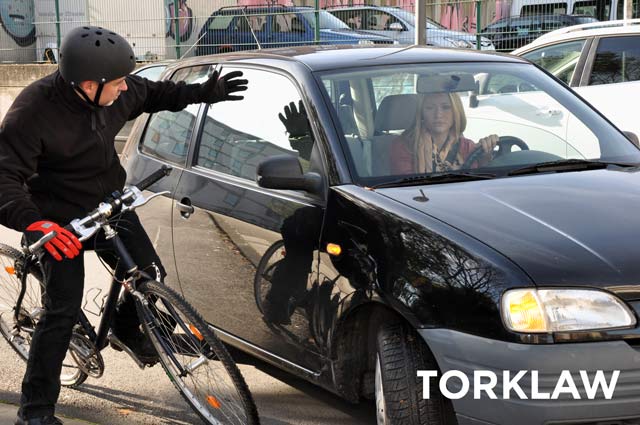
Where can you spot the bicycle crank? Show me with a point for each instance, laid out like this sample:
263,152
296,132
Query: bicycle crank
87,357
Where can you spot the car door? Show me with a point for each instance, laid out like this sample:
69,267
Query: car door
165,138
236,244
564,60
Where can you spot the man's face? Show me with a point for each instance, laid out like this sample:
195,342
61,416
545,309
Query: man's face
110,92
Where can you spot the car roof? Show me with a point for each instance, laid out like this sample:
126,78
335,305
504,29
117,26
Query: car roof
620,27
323,58
261,8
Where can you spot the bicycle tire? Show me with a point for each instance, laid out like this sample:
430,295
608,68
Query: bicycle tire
20,338
264,272
179,334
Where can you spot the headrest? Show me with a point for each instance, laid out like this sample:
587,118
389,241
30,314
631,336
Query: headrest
396,112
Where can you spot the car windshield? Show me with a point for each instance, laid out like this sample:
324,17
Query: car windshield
327,20
411,19
408,120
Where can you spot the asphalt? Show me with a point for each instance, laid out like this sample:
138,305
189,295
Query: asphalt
8,416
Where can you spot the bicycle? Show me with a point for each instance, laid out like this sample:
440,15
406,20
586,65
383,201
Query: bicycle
195,360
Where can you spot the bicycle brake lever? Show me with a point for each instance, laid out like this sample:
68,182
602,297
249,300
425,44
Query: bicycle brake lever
140,200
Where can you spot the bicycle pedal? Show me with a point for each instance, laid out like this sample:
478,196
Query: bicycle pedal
118,345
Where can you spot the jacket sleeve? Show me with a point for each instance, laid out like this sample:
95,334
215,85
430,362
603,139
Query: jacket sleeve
153,96
19,152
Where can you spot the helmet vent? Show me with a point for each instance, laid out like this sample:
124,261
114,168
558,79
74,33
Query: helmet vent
84,35
97,43
113,33
99,32
111,41
87,28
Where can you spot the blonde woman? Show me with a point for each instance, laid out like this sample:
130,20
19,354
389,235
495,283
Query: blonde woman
435,142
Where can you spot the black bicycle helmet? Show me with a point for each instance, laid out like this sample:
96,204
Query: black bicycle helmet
94,54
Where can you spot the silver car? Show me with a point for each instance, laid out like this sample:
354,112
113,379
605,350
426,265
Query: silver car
400,24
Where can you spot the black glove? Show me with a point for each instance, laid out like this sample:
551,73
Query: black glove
219,88
295,120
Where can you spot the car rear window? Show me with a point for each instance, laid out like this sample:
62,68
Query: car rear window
220,22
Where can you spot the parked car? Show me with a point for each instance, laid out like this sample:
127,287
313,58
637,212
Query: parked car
236,28
600,61
152,72
400,24
510,33
285,226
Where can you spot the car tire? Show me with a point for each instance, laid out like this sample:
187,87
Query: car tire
398,389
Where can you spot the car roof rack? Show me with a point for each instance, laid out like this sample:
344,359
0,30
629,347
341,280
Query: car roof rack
591,26
245,6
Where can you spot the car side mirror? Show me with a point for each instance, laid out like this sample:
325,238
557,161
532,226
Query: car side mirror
633,137
285,172
396,26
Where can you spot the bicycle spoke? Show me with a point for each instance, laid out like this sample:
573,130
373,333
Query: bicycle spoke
199,373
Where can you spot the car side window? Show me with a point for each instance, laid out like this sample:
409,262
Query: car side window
168,134
237,135
559,59
617,60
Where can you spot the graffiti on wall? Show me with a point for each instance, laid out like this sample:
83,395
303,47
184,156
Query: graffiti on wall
16,18
185,19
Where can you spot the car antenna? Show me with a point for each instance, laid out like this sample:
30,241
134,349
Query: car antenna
193,45
252,33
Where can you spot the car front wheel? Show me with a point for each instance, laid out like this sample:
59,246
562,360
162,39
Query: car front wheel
398,389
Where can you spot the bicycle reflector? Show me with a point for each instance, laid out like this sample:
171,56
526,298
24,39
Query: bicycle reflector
334,249
196,332
213,402
10,270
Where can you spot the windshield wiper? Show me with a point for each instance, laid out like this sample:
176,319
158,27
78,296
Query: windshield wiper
566,165
446,177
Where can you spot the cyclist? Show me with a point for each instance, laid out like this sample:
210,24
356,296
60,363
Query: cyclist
57,162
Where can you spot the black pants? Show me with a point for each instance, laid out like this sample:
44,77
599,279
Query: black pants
62,303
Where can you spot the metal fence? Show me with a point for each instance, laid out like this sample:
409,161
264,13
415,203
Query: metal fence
162,29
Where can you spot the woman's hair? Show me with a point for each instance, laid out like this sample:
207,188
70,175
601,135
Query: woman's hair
459,117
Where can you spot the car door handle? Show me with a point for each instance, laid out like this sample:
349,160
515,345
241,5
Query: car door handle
185,208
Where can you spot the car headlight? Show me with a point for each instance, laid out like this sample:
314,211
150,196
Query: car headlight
562,310
459,43
366,42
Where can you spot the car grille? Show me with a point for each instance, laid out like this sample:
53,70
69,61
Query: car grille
382,41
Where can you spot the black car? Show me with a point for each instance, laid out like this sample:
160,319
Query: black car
236,28
289,226
515,31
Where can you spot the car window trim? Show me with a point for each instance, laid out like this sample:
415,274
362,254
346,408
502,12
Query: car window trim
194,146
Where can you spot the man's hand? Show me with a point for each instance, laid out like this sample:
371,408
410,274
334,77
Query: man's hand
295,120
219,88
64,241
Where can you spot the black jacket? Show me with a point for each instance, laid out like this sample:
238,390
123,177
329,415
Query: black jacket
57,153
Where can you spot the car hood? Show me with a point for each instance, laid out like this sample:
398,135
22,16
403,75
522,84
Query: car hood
343,33
579,228
456,35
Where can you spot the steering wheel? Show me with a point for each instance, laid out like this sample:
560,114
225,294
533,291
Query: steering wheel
505,144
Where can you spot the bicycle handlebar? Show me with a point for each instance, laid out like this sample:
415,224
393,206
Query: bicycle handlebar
164,171
87,226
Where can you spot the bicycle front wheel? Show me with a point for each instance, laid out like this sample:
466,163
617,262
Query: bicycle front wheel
18,331
194,358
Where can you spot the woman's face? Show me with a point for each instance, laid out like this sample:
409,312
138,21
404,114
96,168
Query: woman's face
437,113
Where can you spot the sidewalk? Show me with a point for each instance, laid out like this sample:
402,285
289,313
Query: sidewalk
8,415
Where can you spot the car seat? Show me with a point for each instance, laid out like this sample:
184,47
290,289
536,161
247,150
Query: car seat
373,22
243,25
396,113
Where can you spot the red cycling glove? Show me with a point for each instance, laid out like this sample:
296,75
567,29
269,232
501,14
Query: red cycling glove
65,241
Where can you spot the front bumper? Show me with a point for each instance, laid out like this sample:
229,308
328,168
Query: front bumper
467,353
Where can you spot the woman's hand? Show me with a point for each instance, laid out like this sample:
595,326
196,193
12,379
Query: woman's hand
488,143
